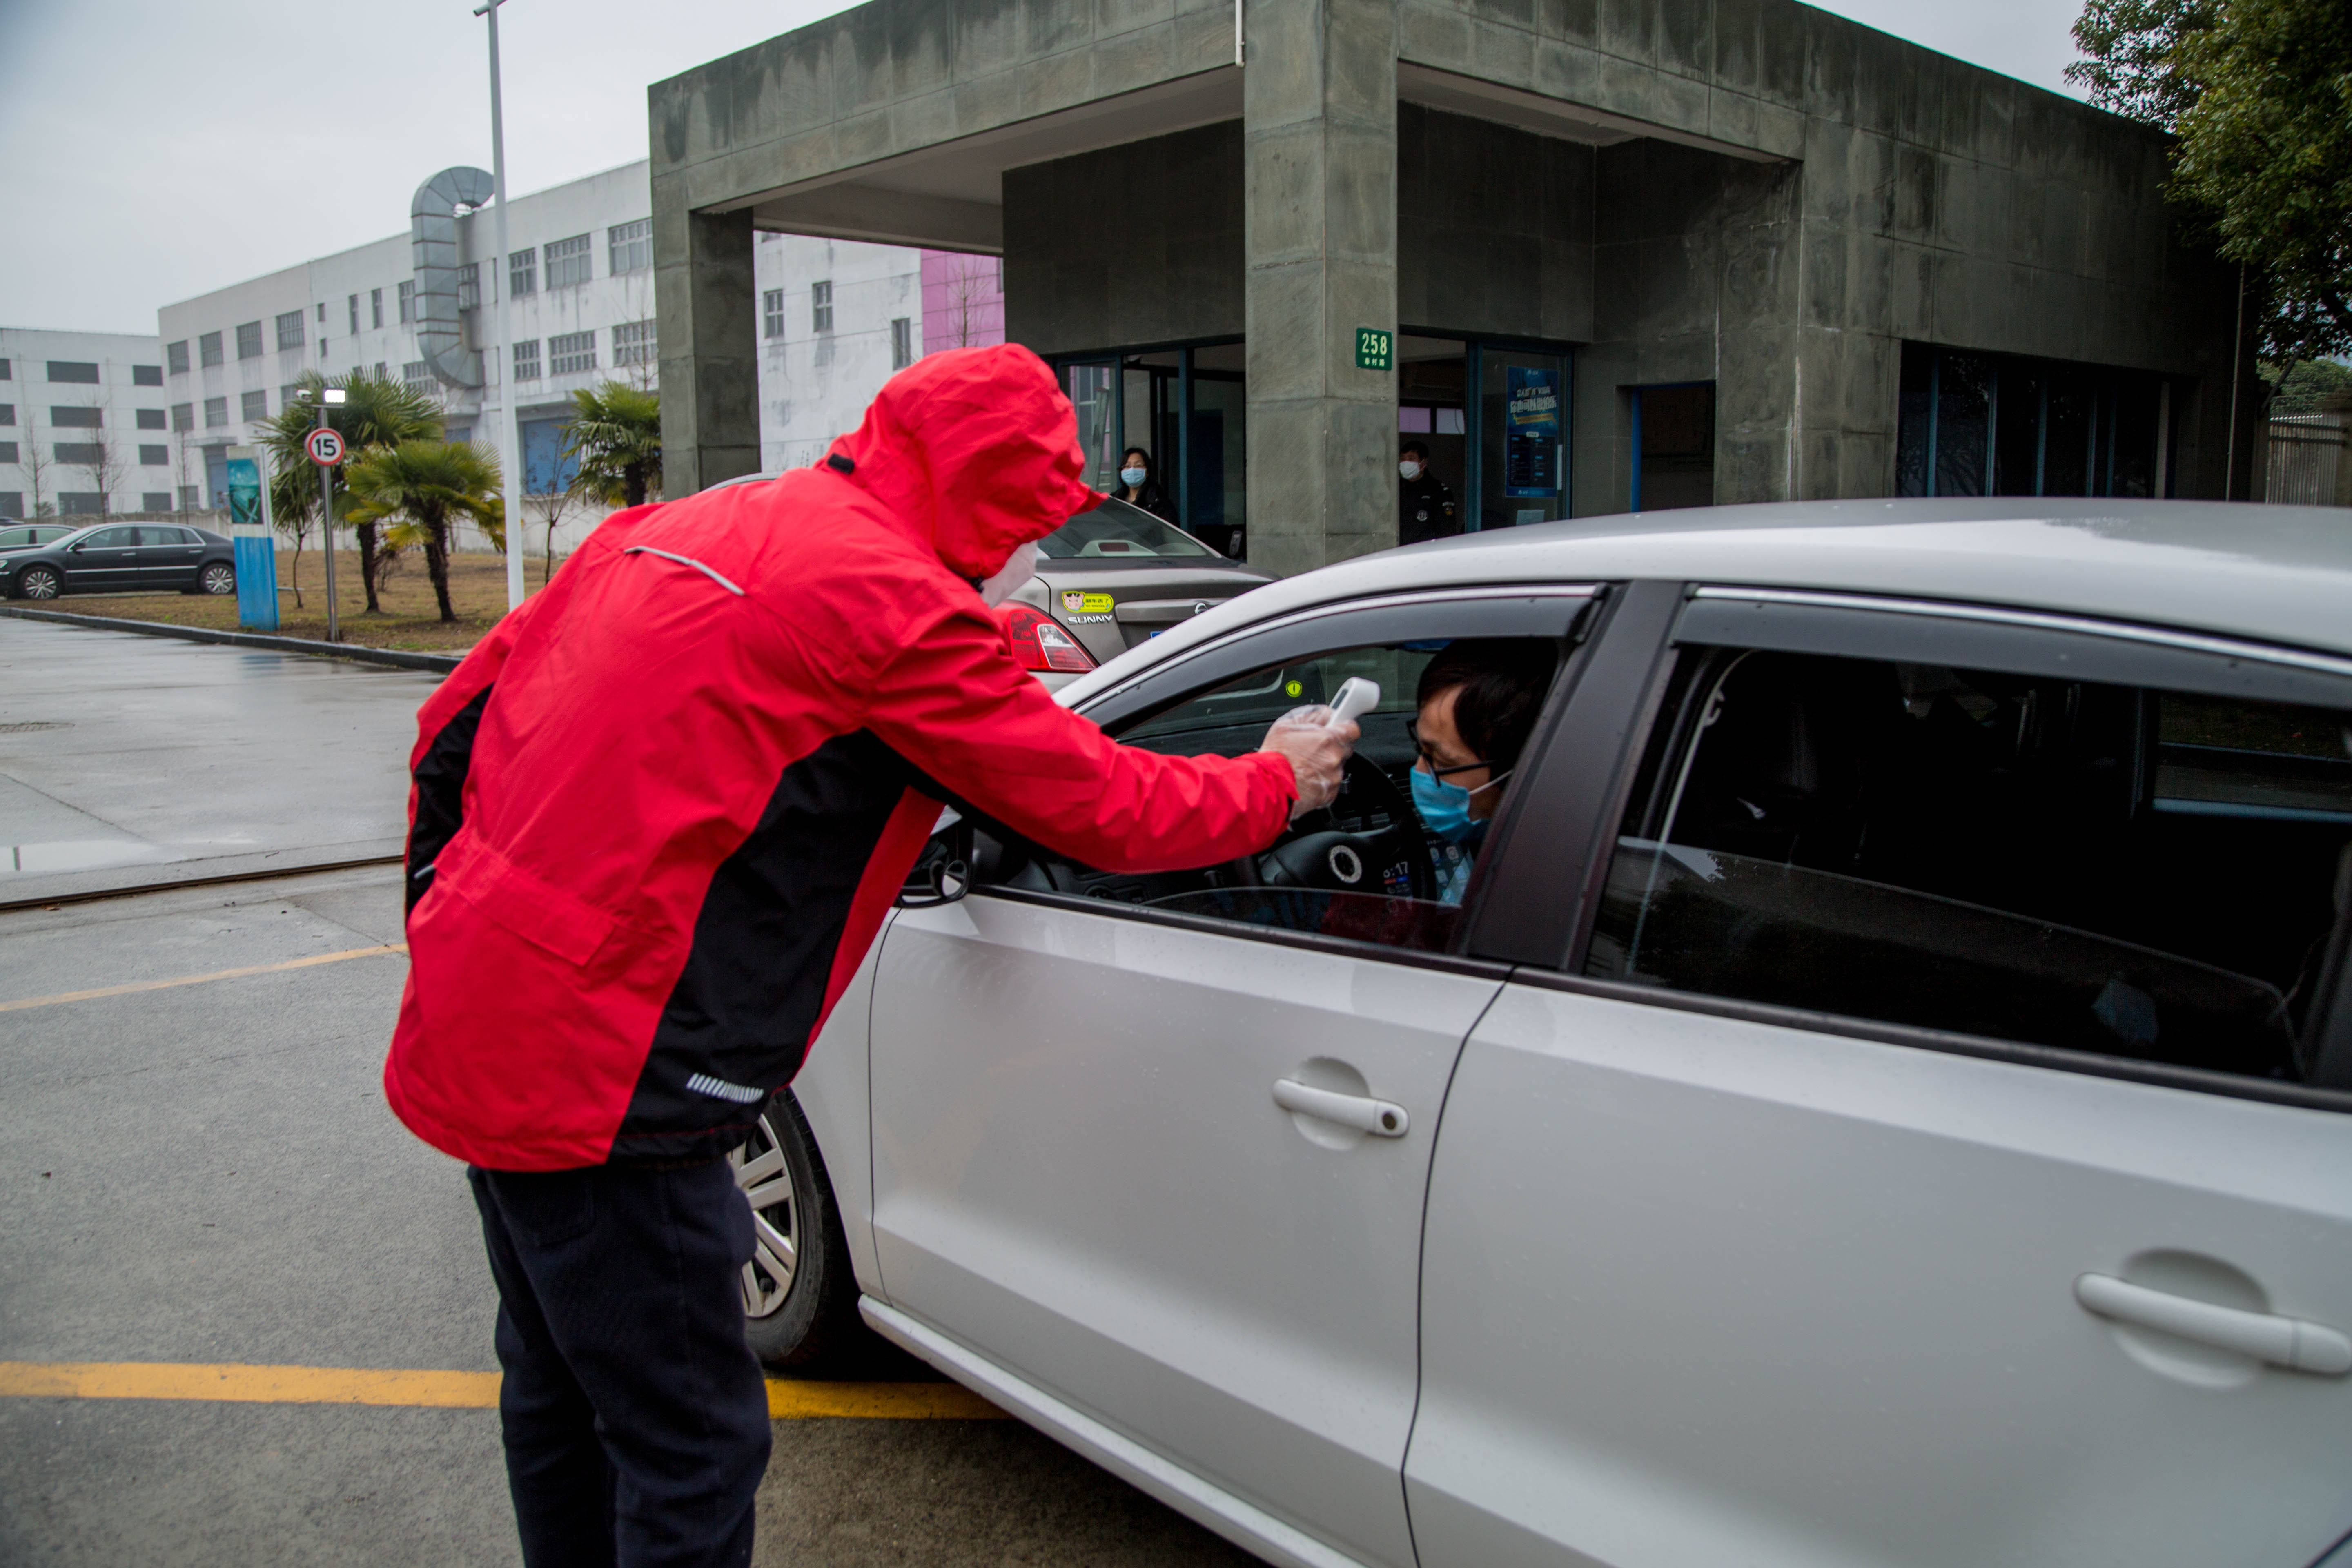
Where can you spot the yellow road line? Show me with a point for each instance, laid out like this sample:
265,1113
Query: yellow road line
203,979
789,1401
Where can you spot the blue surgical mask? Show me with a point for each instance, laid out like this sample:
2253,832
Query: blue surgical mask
1445,807
1133,478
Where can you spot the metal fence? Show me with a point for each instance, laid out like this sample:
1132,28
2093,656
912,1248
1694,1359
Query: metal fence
2309,462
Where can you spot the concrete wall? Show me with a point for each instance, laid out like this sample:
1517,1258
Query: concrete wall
1494,228
1139,243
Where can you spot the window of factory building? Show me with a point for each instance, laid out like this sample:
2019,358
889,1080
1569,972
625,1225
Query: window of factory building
570,261
522,272
1997,425
632,246
209,348
176,356
248,340
289,329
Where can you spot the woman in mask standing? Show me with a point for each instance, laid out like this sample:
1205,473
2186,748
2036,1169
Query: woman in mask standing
1139,486
1475,706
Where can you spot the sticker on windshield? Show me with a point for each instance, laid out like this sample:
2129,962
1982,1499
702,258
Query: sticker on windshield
1077,602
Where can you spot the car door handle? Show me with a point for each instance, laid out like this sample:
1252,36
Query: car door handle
1379,1118
2283,1341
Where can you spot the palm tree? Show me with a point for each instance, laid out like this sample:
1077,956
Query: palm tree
430,485
376,411
615,438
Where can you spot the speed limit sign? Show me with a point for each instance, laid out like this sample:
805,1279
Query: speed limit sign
325,445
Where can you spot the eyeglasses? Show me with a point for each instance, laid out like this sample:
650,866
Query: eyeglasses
1412,732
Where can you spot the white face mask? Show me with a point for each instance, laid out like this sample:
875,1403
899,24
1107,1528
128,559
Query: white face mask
1018,568
1133,478
1409,468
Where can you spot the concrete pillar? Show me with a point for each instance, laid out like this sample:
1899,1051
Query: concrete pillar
709,315
1319,171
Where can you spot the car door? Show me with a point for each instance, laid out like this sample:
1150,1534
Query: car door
1088,1167
1932,1147
103,561
168,556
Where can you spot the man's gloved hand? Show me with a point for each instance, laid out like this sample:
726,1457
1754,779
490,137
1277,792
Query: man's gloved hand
1317,749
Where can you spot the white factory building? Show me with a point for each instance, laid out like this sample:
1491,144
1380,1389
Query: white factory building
83,425
838,317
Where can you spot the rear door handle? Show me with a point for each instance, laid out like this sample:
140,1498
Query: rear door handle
1379,1118
2282,1342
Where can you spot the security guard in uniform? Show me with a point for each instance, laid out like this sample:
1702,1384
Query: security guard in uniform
1425,503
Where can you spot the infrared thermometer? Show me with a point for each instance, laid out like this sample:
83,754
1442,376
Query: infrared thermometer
1355,697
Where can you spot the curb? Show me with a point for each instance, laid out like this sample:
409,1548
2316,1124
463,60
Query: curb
438,663
137,890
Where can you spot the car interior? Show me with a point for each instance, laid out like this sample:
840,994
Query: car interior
2146,874
1363,868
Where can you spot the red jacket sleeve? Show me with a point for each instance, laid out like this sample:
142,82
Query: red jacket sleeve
955,705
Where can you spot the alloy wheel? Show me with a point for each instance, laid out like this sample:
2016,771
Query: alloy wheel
38,584
219,579
766,1178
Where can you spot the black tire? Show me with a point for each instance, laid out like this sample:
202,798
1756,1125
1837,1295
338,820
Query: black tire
38,582
217,578
817,1322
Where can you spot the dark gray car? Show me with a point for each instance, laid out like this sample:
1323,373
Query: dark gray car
121,558
1113,577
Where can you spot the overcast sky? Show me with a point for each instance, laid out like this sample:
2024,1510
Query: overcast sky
151,149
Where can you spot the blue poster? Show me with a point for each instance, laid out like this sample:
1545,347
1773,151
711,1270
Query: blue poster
255,553
1531,433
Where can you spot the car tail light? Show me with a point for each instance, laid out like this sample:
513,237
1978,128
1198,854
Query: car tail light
1040,643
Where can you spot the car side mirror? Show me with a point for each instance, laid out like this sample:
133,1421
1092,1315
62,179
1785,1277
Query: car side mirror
78,549
942,873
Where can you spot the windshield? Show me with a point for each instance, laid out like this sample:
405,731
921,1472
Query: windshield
1116,530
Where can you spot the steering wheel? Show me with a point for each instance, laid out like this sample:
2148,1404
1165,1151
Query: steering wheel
1316,853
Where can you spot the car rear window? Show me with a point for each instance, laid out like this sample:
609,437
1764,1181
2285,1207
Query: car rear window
1116,530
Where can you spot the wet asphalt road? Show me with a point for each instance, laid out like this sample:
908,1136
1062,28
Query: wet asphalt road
207,1173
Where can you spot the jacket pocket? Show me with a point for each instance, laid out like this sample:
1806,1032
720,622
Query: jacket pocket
533,908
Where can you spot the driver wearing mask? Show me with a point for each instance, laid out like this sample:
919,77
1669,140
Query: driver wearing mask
1475,706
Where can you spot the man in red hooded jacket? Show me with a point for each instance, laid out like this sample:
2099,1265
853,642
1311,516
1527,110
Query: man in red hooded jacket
658,816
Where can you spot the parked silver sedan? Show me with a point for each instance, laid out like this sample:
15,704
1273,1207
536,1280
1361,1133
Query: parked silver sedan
1885,1097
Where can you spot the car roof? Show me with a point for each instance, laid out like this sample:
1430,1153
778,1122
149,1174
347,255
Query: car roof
2279,574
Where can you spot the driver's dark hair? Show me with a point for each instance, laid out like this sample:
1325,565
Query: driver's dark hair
1502,682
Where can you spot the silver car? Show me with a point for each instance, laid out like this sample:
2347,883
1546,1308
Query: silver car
1883,1100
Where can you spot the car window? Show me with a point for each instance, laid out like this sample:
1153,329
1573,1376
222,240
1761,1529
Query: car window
111,539
1115,532
1366,868
2103,869
14,536
152,535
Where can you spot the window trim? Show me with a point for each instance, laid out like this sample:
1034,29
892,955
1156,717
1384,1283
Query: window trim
2336,665
2060,646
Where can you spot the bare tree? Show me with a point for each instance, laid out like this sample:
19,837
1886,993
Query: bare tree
101,459
36,470
971,280
547,511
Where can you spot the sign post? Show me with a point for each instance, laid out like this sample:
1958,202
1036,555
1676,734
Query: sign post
253,540
325,445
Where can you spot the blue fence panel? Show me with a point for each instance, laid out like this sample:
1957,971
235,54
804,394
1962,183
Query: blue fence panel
256,584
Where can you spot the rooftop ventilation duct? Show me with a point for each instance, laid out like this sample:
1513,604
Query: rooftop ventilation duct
433,238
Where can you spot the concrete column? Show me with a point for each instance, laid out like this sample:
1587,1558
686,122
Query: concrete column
1319,171
709,315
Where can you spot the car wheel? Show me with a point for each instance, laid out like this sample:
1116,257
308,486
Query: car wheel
800,1294
37,583
217,578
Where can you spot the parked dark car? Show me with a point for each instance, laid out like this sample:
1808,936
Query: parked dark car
121,558
15,535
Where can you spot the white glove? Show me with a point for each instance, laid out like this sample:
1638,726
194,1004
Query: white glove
1318,743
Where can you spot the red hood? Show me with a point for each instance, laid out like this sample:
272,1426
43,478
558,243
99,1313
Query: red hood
977,450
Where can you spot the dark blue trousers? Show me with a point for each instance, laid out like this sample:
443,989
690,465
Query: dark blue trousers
635,1416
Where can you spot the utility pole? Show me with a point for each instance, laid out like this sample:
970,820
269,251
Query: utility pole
509,434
